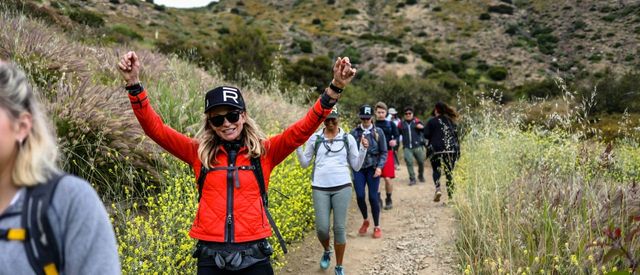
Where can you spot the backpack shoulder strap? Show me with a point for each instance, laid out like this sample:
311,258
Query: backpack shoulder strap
257,171
316,145
203,175
41,245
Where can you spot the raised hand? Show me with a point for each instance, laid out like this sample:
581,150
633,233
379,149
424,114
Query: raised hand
343,72
129,67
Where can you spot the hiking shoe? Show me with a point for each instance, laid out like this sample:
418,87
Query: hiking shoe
339,270
388,204
421,179
412,182
364,227
325,261
377,233
438,195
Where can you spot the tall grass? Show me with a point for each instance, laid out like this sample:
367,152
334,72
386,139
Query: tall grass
545,201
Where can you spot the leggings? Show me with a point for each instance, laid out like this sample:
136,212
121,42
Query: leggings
260,268
446,162
362,178
323,203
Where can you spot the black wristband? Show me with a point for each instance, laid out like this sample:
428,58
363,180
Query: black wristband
335,88
326,101
135,89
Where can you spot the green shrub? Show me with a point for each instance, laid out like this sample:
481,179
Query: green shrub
468,55
402,59
498,73
411,2
538,89
419,49
351,11
485,16
391,57
501,8
246,50
313,72
86,17
352,53
122,33
306,46
160,8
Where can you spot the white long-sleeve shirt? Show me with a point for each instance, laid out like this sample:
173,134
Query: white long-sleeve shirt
331,165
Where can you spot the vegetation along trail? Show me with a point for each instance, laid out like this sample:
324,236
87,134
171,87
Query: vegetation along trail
418,237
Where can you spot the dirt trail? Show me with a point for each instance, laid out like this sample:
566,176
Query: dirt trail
417,237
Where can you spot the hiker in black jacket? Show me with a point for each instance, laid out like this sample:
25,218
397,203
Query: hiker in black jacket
441,133
413,144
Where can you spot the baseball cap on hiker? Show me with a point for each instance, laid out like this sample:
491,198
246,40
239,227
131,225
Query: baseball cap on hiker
223,96
334,113
365,112
392,111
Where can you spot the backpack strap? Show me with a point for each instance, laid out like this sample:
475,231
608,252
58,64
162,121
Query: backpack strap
203,175
40,244
257,170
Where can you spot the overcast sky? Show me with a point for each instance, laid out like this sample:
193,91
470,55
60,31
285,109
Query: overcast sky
184,4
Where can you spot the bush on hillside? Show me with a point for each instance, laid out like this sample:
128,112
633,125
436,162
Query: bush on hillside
498,73
501,9
314,72
614,93
484,16
353,54
538,89
86,17
247,50
121,34
351,11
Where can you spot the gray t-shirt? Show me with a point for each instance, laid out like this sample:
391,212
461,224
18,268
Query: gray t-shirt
331,163
81,225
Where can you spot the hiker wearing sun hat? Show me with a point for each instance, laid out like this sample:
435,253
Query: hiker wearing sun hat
393,117
334,153
232,161
369,174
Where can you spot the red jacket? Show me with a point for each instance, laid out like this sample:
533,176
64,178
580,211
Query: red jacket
249,218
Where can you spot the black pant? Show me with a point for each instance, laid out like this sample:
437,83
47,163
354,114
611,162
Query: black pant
446,162
260,268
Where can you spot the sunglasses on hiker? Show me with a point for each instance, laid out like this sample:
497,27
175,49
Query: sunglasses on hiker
218,120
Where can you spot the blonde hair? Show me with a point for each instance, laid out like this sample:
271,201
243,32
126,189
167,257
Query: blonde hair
209,142
37,155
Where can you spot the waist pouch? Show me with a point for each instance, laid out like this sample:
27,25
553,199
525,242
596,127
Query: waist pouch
232,256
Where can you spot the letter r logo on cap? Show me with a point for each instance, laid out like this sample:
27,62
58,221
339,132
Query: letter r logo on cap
367,111
229,94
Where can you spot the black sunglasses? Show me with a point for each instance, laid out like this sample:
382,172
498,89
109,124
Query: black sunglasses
218,120
408,113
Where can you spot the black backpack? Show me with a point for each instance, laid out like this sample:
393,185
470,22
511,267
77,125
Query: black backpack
256,166
36,232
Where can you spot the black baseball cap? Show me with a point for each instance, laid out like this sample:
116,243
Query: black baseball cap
366,112
334,113
224,96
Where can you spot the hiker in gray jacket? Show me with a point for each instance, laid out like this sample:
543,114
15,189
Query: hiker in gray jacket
335,153
50,223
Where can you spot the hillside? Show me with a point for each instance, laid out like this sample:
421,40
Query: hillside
533,39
